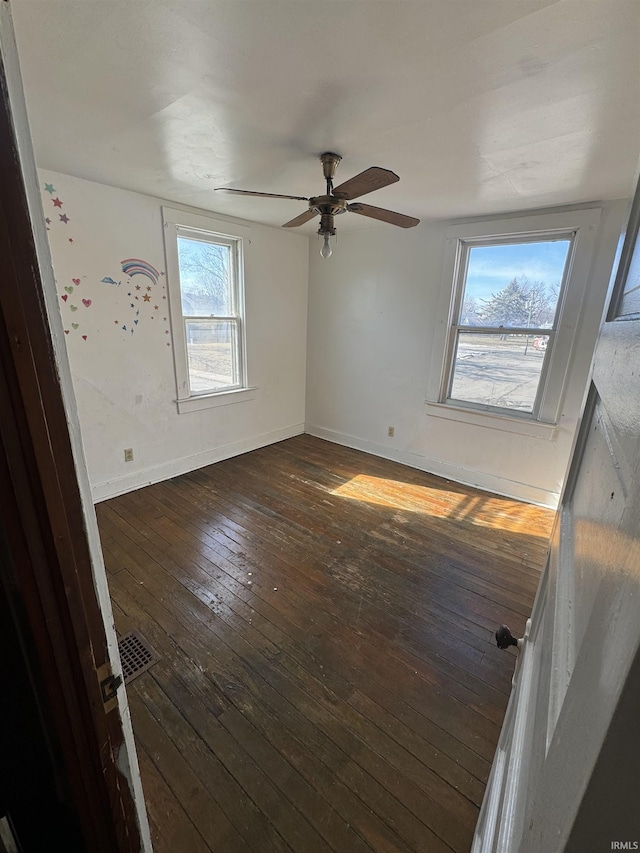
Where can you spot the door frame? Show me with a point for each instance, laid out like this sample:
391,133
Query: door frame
58,576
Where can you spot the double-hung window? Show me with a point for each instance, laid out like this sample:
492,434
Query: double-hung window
515,289
206,300
505,321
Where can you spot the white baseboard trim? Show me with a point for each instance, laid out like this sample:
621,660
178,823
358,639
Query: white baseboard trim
139,479
464,476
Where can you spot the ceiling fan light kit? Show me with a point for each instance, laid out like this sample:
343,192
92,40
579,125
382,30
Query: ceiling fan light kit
335,201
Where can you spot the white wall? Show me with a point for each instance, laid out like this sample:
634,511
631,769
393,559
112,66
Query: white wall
124,382
372,314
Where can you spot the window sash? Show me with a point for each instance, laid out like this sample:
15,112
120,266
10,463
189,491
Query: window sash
532,414
235,354
212,239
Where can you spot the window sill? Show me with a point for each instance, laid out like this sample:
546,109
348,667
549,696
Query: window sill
491,420
220,398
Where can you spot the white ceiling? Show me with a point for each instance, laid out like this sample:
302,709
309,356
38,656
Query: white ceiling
479,105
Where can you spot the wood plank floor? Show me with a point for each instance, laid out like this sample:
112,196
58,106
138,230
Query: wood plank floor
328,676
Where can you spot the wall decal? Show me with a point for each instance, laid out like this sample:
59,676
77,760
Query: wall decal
57,202
136,266
140,293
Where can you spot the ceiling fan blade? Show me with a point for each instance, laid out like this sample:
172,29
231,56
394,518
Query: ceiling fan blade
366,182
383,215
262,195
300,220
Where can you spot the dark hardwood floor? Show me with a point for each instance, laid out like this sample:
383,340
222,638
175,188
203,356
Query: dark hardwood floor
328,676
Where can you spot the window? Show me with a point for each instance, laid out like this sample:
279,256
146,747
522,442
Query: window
514,293
205,281
505,321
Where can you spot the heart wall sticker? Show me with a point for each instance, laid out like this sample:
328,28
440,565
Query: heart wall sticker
86,303
65,296
76,281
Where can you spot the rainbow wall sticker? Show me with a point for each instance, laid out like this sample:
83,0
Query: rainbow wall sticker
136,266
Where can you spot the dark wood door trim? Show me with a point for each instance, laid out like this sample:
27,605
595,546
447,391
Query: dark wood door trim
43,512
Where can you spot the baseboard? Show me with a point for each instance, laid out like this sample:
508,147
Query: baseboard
464,476
139,479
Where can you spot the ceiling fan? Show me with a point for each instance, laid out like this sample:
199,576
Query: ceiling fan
336,200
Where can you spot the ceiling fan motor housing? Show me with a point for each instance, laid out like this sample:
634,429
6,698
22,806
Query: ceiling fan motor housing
327,206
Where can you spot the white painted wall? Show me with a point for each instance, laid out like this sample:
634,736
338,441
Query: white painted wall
124,382
373,309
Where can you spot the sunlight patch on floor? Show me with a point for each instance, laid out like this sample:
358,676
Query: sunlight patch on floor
438,503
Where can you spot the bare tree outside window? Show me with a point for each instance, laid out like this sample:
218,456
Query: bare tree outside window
204,278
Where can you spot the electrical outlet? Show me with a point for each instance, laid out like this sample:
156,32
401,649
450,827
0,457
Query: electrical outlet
128,454
391,432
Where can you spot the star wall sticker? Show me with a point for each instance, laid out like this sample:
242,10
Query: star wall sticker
146,297
64,218
137,287
48,221
56,202
49,188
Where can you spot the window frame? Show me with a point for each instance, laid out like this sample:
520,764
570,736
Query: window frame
192,226
581,227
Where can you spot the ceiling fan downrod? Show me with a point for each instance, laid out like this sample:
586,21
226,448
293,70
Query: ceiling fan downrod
328,206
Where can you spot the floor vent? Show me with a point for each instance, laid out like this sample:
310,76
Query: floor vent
136,655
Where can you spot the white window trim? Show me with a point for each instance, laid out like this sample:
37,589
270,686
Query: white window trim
584,224
173,221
